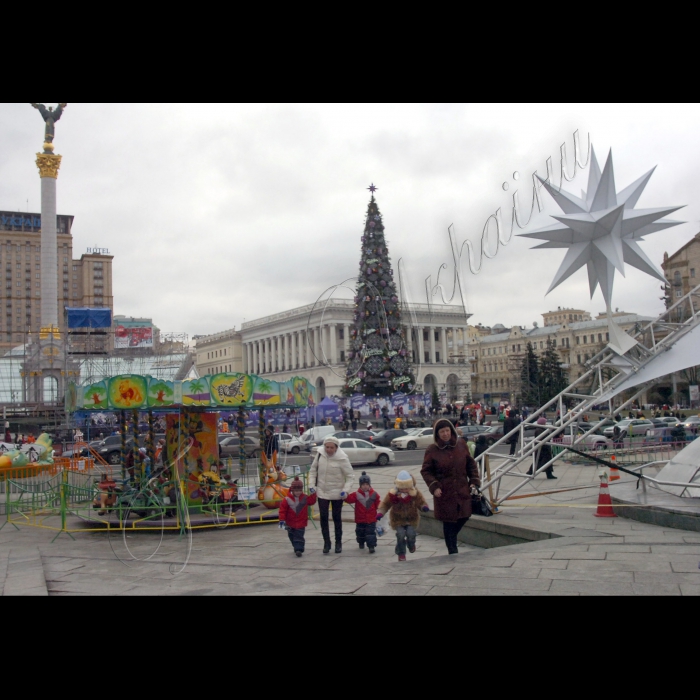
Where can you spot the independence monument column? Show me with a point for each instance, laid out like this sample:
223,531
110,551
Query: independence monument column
48,165
47,366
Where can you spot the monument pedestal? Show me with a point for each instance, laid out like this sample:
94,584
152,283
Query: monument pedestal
46,359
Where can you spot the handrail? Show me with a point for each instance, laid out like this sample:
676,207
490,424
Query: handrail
638,357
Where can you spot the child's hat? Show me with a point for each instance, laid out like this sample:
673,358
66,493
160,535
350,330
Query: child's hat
364,479
297,484
404,480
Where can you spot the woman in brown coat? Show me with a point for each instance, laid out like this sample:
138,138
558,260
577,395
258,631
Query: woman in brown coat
450,472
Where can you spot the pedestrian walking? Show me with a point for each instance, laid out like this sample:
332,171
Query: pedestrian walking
481,446
272,442
450,473
366,502
294,515
405,503
331,476
544,453
511,423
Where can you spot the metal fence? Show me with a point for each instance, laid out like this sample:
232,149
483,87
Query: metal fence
67,501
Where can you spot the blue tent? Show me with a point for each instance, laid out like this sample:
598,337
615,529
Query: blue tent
328,409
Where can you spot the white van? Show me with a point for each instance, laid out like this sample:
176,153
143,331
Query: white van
315,436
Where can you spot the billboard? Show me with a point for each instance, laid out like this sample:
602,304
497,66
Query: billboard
133,335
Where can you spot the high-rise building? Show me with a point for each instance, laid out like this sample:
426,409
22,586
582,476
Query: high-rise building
86,281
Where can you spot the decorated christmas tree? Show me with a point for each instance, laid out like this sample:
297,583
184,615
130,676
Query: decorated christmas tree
378,361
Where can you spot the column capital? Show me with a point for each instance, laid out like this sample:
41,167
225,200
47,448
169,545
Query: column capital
48,165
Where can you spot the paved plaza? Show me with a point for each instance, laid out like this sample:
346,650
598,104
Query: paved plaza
580,555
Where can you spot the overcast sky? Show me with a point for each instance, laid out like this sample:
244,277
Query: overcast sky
217,213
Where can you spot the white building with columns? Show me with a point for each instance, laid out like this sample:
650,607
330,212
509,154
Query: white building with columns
313,342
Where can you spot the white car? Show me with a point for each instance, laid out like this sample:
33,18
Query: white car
596,442
363,452
416,439
289,443
630,428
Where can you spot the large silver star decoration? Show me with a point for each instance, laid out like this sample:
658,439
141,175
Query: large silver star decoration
602,229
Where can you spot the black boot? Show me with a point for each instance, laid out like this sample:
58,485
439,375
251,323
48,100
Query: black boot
338,547
362,545
326,547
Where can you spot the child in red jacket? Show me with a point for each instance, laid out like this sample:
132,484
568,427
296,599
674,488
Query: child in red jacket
294,515
366,501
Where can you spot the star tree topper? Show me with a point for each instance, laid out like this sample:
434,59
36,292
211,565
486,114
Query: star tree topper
602,229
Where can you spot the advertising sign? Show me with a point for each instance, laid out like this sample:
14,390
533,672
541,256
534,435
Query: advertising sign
133,335
694,393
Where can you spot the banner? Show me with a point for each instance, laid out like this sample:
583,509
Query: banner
200,432
221,390
694,392
133,335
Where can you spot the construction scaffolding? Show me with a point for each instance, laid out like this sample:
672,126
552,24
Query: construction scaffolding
92,351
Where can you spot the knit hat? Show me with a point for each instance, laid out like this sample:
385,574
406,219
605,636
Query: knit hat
404,480
364,479
332,439
297,484
541,421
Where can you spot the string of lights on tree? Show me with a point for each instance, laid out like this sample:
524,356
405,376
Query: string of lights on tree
378,361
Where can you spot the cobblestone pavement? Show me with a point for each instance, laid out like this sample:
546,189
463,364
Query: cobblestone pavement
585,556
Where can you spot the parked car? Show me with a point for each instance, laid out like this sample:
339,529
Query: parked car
417,438
630,428
352,434
362,452
384,438
594,441
469,432
692,423
82,453
368,435
110,449
669,420
230,447
290,443
314,437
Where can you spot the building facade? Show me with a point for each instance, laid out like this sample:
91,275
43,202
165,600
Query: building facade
682,270
496,359
83,282
560,316
313,342
218,353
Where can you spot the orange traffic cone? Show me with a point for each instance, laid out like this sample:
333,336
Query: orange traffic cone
605,509
614,474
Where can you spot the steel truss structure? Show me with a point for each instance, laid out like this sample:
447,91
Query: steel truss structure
607,371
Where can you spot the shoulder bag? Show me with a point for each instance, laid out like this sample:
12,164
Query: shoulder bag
480,505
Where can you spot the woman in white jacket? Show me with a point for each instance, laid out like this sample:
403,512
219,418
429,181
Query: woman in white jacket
331,477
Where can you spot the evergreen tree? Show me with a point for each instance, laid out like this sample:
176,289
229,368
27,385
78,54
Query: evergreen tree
552,377
530,379
378,361
435,398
